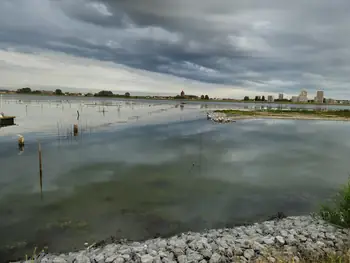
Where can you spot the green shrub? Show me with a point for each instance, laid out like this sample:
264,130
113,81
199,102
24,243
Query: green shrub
338,212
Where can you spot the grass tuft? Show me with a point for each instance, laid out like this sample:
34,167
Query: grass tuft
338,212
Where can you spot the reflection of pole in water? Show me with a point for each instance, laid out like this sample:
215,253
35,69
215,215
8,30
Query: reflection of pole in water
75,129
58,131
21,149
26,109
200,152
78,115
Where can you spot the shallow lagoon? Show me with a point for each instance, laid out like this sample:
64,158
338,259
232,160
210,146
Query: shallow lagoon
166,171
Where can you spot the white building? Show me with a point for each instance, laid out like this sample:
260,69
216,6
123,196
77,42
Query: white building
303,96
270,99
295,99
280,96
319,96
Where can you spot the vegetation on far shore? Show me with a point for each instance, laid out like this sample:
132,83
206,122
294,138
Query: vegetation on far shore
293,112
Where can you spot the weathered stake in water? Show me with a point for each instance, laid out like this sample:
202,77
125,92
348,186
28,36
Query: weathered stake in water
40,170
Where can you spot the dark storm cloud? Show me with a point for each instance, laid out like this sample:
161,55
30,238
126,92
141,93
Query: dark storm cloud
275,46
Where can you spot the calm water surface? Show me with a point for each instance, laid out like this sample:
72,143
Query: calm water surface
147,168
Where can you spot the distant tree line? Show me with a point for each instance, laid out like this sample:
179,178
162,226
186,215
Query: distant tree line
257,98
108,93
191,97
57,92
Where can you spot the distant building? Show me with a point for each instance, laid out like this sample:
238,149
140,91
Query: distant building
343,101
182,94
270,99
319,96
295,99
331,101
280,96
303,96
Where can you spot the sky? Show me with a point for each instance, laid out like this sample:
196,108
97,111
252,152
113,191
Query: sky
224,48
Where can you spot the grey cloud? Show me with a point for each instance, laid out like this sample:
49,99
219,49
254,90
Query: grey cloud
261,45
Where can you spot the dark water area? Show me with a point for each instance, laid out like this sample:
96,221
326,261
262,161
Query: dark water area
158,179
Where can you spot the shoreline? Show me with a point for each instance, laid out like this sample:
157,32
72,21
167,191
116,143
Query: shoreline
225,116
291,238
185,99
287,118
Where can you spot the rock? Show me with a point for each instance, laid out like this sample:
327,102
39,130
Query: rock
125,251
249,253
243,259
46,260
157,259
126,257
290,250
110,259
178,251
271,259
146,259
162,244
302,238
293,232
330,236
119,260
320,244
284,233
182,259
296,259
194,257
153,253
100,258
206,253
257,246
237,251
215,258
59,260
280,240
269,240
162,254
313,236
81,258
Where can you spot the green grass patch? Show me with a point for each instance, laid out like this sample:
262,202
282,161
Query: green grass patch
338,211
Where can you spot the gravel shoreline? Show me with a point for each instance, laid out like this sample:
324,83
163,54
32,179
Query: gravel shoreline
226,118
291,238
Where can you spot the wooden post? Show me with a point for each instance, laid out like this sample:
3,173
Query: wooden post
40,171
20,141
